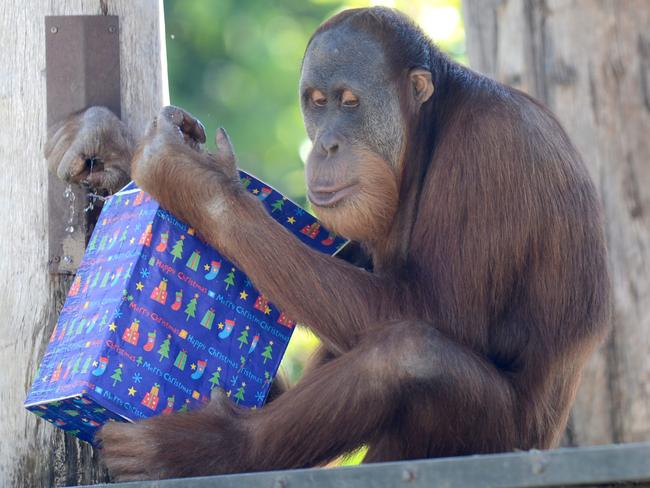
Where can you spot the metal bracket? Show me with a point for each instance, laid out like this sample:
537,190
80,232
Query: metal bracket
82,59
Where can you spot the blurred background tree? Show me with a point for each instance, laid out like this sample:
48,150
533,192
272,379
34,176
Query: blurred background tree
236,64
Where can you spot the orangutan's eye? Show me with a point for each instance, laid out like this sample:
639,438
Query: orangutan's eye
318,99
348,99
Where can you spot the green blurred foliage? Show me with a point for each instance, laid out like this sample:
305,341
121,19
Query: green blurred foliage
236,64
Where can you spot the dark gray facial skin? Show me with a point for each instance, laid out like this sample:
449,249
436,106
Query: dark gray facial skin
342,59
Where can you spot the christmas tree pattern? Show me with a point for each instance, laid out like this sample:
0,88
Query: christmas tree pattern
102,243
277,205
243,337
77,364
163,350
240,393
86,365
230,279
190,310
123,235
215,378
96,278
177,250
92,245
266,354
117,374
80,327
105,279
242,363
104,320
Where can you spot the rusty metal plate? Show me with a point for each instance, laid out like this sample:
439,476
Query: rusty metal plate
82,55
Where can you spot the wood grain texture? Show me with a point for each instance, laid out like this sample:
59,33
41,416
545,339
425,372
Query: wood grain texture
32,452
589,61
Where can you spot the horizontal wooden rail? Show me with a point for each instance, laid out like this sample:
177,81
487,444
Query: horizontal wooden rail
612,465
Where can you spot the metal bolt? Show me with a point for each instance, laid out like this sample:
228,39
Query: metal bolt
67,259
538,465
54,29
57,259
408,475
111,29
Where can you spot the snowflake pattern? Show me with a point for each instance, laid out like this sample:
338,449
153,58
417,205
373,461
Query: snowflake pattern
144,273
137,377
259,396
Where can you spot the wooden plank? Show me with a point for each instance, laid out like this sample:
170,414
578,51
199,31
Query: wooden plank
594,466
590,63
32,452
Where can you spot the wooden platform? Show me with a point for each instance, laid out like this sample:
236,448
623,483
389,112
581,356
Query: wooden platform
613,465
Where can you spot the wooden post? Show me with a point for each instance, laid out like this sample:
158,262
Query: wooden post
590,63
32,452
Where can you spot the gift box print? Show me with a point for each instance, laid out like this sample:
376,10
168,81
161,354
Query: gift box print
155,319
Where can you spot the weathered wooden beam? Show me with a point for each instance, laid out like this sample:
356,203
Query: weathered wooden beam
82,65
34,453
610,465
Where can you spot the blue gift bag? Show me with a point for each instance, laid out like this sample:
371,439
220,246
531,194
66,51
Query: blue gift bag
156,318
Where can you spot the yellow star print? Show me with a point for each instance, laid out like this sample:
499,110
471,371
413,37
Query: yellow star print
112,327
291,220
132,391
243,295
139,286
220,325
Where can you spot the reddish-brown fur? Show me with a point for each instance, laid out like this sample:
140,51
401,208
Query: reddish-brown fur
488,292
